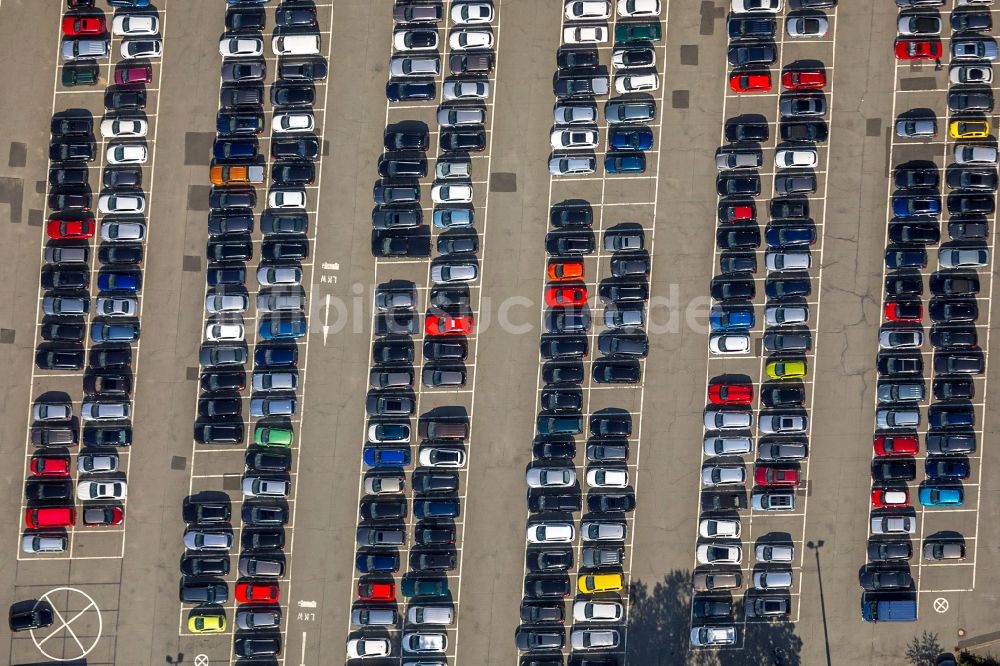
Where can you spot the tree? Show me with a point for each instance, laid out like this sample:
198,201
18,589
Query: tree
924,650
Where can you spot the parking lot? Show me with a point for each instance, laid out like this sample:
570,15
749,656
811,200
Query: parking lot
115,588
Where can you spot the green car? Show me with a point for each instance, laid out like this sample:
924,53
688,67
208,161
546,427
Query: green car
265,436
628,33
426,587
85,75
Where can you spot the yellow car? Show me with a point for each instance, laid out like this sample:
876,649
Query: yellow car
969,129
786,369
203,623
594,583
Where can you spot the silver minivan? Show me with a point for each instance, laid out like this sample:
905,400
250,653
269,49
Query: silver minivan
375,536
281,302
80,49
787,261
897,418
461,115
374,617
415,66
43,543
451,169
772,580
261,567
437,615
65,255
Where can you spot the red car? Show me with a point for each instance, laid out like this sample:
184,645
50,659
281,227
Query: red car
134,74
448,325
918,49
730,394
566,295
896,445
376,592
257,593
49,516
102,516
561,270
70,229
50,465
741,212
776,476
806,79
78,26
750,82
905,311
883,498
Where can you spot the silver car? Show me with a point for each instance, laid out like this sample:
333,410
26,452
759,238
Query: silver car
117,307
916,128
774,424
897,418
52,411
270,276
893,524
575,114
595,530
778,451
43,543
726,159
65,305
254,486
218,303
963,257
723,475
774,552
275,381
281,302
261,567
568,166
258,619
414,66
452,90
452,168
461,115
727,446
206,540
458,272
594,639
778,315
900,339
105,411
114,232
975,154
728,419
787,261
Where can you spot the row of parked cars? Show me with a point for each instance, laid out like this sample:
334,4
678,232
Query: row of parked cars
782,421
915,226
554,487
385,545
74,222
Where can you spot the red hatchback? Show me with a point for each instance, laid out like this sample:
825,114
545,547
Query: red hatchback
896,445
50,465
134,74
78,26
376,592
566,295
904,311
883,498
447,325
257,593
738,212
730,394
776,476
750,82
806,79
50,516
70,229
918,49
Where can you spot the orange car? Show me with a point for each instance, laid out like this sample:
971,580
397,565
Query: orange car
233,174
561,270
566,295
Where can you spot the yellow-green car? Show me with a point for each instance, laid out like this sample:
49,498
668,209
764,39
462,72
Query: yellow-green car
786,369
204,623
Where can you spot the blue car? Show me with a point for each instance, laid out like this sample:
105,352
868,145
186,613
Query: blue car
273,357
632,138
114,332
787,235
401,91
627,163
385,456
938,468
282,328
916,206
731,319
453,218
240,149
377,562
436,509
905,257
244,123
133,4
116,281
941,496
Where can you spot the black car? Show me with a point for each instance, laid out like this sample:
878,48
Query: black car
402,165
264,514
103,358
125,99
69,358
756,132
624,344
125,253
450,350
216,407
406,140
543,502
953,309
960,204
230,249
269,461
635,56
908,178
206,512
238,96
239,123
546,587
739,183
729,289
205,566
72,151
292,94
751,27
782,396
278,223
563,346
66,126
917,233
954,337
954,283
569,243
273,539
44,491
440,482
288,15
778,288
65,278
610,502
557,449
302,70
623,291
433,561
400,245
402,91
543,613
973,179
225,222
789,208
629,265
954,388
723,501
887,469
223,381
383,509
115,178
39,616
751,54
549,560
577,58
68,177
733,263
738,238
968,229
970,100
562,373
107,437
453,141
814,132
232,197
293,173
888,551
108,383
899,284
571,216
900,364
405,217
905,257
457,243
430,534
298,148
625,371
971,21
245,19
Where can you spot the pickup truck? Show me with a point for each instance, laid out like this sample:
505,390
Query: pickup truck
231,174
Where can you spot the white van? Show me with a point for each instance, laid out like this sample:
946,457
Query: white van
295,45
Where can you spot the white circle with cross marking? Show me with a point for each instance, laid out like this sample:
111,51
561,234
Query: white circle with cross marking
941,605
63,624
201,660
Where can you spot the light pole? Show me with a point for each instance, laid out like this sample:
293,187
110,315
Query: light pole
815,546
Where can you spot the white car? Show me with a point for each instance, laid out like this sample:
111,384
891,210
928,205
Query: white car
228,332
756,6
123,128
464,40
121,203
126,153
972,74
286,199
599,530
436,456
471,13
293,121
586,34
711,528
594,639
572,166
254,486
703,636
452,193
551,533
583,10
101,490
729,343
572,139
774,553
420,642
550,477
117,232
271,276
575,114
603,477
597,611
717,553
402,40
141,48
796,157
806,26
135,25
722,475
241,47
638,8
358,648
452,90
628,83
